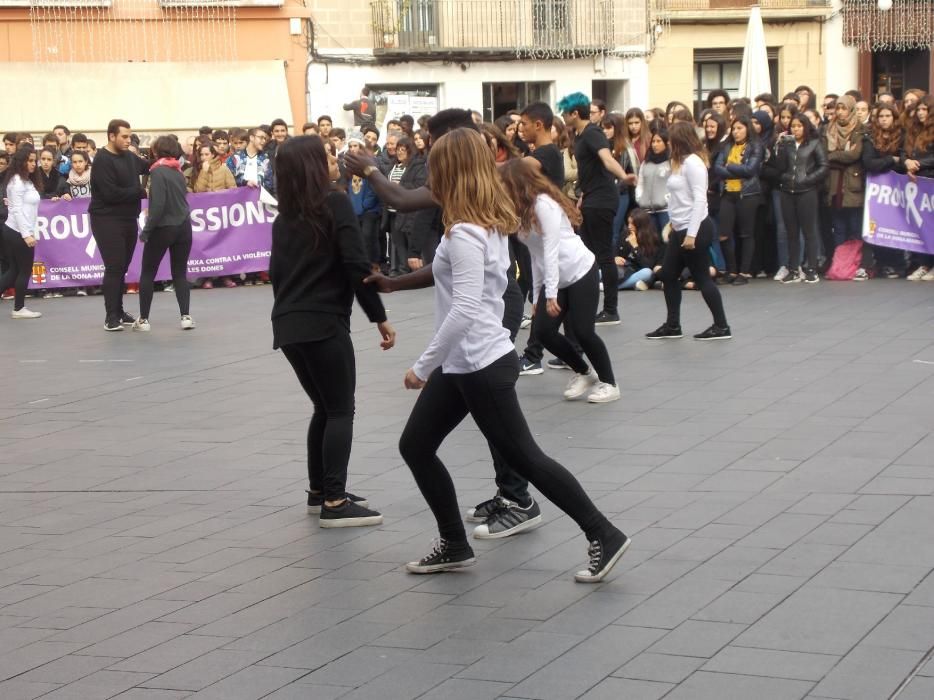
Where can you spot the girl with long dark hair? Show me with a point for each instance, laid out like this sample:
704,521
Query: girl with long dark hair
640,253
53,183
638,130
692,233
801,163
617,133
715,131
167,230
737,167
565,279
882,152
317,266
22,186
919,162
652,187
471,367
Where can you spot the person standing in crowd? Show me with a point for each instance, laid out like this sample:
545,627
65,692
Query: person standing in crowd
470,366
692,233
652,187
250,167
599,199
363,108
640,254
167,229
210,172
919,162
639,134
22,186
368,208
116,196
715,135
409,172
317,266
800,165
565,280
737,168
843,140
883,148
719,101
597,112
617,133
53,184
78,182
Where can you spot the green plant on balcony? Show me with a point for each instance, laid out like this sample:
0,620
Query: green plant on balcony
388,18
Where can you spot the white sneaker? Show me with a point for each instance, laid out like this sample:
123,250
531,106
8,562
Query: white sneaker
579,385
81,293
928,276
604,393
141,324
187,323
25,313
641,286
781,274
918,274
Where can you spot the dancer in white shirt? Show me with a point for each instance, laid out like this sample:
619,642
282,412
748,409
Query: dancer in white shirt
471,367
23,185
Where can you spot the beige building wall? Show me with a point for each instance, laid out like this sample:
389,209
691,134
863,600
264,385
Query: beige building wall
671,67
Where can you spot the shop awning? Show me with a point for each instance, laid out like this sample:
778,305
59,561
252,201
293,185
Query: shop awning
153,97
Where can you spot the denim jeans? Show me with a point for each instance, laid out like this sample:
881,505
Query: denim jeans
619,221
643,275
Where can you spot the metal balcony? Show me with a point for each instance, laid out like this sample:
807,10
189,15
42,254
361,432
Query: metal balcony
542,28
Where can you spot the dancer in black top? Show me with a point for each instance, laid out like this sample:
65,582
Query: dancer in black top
317,266
116,196
596,168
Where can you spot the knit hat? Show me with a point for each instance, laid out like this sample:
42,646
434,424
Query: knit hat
354,139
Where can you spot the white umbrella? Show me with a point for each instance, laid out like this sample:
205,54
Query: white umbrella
754,76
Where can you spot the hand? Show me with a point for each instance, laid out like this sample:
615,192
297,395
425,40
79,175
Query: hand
619,261
388,333
631,179
252,183
383,283
66,197
580,200
912,165
688,243
412,381
30,241
552,307
414,263
356,163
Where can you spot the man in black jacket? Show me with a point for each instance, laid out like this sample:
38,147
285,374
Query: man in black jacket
116,194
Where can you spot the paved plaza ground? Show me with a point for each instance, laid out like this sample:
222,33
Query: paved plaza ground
779,489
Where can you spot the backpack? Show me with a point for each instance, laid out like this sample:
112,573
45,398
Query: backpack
846,260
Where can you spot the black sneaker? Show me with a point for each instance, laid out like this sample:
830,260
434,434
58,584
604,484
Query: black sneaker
740,280
665,331
714,333
557,363
510,518
811,277
480,512
316,500
792,277
127,319
113,324
348,514
528,368
890,273
606,319
604,553
443,557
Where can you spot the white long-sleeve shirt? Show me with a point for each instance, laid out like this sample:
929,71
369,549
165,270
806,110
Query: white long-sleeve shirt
687,195
559,256
469,268
24,206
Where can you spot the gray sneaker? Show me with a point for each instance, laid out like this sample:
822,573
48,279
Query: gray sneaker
510,518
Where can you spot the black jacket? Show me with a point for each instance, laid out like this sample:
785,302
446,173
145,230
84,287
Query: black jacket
800,169
925,158
322,278
876,162
747,171
415,176
54,184
637,258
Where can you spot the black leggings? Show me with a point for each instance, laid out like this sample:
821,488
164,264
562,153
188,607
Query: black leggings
697,260
116,239
176,240
597,231
19,258
327,372
738,221
801,211
489,395
578,304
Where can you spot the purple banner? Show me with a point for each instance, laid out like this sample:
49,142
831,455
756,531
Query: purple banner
232,233
899,212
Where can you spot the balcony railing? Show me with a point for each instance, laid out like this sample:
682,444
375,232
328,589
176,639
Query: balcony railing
699,5
548,28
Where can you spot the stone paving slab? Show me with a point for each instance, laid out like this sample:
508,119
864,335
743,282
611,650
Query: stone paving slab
779,489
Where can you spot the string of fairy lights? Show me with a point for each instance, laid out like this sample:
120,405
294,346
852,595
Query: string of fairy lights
198,31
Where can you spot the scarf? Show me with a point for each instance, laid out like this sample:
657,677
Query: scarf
76,180
168,163
838,133
652,157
